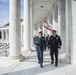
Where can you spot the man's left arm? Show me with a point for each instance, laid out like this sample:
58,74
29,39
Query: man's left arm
43,39
60,42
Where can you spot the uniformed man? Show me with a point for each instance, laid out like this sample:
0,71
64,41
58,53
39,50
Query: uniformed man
55,45
47,39
39,42
45,42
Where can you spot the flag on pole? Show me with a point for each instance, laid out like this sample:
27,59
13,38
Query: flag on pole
48,26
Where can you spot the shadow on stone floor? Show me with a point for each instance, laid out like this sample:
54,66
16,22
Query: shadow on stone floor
34,56
37,70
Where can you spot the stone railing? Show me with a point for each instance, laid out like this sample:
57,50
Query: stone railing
4,48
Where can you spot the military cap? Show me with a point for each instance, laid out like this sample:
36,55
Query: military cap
40,32
54,30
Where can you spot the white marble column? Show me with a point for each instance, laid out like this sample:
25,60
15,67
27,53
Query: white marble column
6,34
15,29
68,31
26,24
62,23
51,19
55,17
22,31
39,27
43,27
73,30
35,30
45,31
49,22
54,25
22,34
2,34
31,26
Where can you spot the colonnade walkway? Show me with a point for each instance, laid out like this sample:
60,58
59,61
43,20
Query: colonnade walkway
30,66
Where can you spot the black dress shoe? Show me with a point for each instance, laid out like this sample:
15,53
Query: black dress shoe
52,62
56,65
41,66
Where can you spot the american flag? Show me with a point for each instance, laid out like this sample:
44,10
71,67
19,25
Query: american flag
47,26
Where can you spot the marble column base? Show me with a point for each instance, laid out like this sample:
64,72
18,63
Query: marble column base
26,49
73,61
17,58
68,59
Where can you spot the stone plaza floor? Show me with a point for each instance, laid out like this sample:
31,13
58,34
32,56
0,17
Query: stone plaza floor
30,66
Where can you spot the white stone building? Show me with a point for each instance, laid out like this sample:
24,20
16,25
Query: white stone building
61,14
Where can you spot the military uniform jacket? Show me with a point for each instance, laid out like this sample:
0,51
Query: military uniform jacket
55,42
39,41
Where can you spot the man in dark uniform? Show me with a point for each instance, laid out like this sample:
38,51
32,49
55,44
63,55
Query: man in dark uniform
45,42
55,45
47,39
39,42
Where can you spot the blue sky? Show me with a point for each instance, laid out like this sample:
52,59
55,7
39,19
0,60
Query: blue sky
4,11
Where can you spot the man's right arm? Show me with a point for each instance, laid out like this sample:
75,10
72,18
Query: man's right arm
36,41
49,41
60,42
